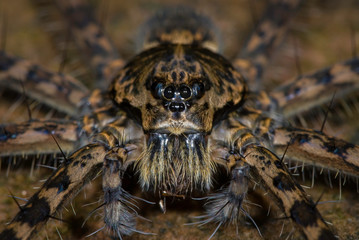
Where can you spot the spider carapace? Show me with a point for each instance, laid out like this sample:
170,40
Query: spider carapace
177,96
180,114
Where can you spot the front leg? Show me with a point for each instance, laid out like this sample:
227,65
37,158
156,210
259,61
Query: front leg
123,139
119,216
266,168
59,189
226,206
287,193
78,169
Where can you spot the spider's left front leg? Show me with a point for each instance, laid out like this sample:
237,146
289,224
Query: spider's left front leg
226,206
265,167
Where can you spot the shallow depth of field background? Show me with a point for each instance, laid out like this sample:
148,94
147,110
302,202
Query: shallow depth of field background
322,33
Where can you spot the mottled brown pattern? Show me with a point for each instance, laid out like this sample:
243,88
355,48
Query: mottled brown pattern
98,50
308,90
56,192
223,85
287,192
232,131
269,34
44,84
34,137
310,146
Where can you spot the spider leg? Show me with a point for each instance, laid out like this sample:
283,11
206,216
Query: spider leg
113,153
59,189
119,212
119,217
307,91
268,34
41,84
317,148
98,111
305,145
34,137
226,206
267,168
97,48
288,194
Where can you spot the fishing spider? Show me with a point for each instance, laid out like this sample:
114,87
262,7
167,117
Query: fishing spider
178,116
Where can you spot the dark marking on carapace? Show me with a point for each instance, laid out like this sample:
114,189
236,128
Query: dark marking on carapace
149,107
87,157
174,76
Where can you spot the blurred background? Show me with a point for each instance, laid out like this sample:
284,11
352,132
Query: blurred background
321,32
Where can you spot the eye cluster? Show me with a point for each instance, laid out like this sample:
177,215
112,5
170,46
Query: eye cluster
177,98
183,92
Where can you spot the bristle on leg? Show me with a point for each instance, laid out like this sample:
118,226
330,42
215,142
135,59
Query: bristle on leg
119,217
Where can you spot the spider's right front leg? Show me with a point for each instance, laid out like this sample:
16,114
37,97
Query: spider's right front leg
124,140
82,166
110,151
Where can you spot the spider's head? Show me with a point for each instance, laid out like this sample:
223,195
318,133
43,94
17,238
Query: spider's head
178,89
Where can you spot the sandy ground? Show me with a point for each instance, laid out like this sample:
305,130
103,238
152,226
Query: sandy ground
322,33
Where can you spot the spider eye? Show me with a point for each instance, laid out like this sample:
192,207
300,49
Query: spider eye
185,92
157,89
169,92
198,90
